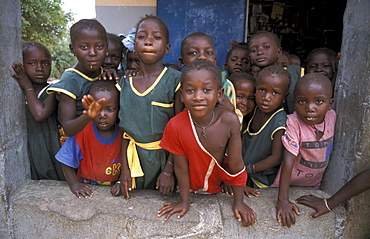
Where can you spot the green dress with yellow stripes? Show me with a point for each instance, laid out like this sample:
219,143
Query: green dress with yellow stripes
143,117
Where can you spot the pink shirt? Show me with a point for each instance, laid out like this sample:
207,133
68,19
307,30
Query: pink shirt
313,155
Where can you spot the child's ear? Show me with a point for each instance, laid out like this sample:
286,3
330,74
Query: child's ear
168,46
71,49
181,97
225,65
181,62
331,103
279,51
220,94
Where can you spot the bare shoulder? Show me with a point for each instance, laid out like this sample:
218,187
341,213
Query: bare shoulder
228,116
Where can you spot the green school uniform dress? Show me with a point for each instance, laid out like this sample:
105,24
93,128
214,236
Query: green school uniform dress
43,144
258,146
143,117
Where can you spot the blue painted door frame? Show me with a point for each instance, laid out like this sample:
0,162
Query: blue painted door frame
222,20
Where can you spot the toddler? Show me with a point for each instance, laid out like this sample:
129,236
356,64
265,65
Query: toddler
94,155
262,147
308,141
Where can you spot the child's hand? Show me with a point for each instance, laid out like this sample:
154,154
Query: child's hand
244,213
226,104
125,183
165,184
109,75
116,189
173,207
247,191
284,212
91,106
130,73
81,190
21,76
314,202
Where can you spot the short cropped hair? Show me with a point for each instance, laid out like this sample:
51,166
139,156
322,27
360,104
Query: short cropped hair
116,39
198,65
27,45
161,22
273,36
276,70
329,52
86,24
103,85
315,78
237,76
234,47
194,34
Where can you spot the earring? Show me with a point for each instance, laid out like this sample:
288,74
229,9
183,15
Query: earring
106,54
283,101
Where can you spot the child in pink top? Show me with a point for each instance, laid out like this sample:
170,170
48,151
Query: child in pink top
308,141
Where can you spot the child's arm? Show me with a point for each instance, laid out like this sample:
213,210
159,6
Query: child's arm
284,208
125,177
356,185
178,105
39,110
71,124
166,180
275,157
182,174
236,164
77,188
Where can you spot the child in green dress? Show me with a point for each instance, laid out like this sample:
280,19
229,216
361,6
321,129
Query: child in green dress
41,111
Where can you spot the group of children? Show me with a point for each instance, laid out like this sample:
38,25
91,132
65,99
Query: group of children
200,130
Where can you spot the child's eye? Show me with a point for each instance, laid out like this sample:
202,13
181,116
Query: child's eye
301,102
275,93
312,66
157,37
209,53
141,36
46,63
31,63
251,98
207,90
192,53
83,47
189,90
266,47
116,58
254,50
327,66
111,110
261,90
239,97
319,102
245,61
99,47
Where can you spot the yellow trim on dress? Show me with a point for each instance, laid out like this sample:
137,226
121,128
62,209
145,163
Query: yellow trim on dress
151,87
279,128
259,184
59,90
162,104
133,157
83,75
264,125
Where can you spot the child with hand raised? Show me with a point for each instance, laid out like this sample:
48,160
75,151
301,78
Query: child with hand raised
94,155
198,139
41,111
262,147
308,142
89,45
147,102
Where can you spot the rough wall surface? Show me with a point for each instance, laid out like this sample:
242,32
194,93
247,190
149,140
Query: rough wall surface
352,141
13,157
47,209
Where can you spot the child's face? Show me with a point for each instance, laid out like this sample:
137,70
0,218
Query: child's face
245,90
264,51
199,92
312,100
89,47
133,61
114,57
197,48
283,61
238,61
320,63
107,116
271,90
37,64
150,42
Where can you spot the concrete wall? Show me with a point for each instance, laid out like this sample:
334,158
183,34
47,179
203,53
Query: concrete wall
119,16
14,166
352,139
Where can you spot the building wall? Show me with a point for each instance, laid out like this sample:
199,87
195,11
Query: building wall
119,16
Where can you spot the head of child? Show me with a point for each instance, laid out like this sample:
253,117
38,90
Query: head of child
322,60
107,116
272,87
237,59
197,46
264,49
132,61
114,53
295,60
172,66
284,60
89,45
201,88
152,40
245,89
36,62
313,98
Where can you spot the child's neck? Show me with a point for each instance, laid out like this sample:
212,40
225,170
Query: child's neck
107,134
147,76
260,119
